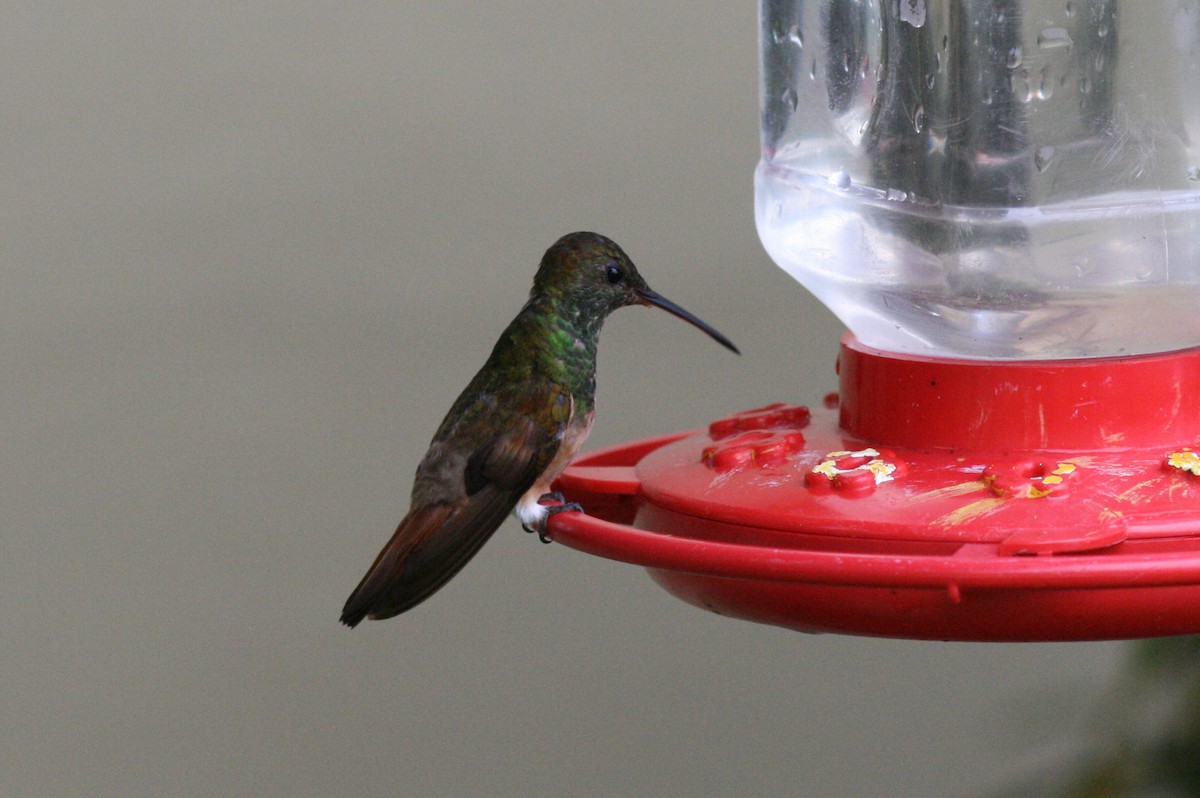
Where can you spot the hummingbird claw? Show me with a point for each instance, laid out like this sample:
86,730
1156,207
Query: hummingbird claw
567,507
561,506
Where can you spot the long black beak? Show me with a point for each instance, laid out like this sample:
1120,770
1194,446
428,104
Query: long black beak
658,300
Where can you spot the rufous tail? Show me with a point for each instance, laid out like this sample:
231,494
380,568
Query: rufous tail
429,547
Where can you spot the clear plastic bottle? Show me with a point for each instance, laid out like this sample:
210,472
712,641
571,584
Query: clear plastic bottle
987,178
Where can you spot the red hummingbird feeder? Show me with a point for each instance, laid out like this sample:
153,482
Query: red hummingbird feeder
1002,202
939,499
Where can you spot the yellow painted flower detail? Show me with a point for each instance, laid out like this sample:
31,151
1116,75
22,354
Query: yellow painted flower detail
854,473
1185,460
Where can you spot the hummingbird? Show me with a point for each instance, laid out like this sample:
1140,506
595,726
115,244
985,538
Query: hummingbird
513,429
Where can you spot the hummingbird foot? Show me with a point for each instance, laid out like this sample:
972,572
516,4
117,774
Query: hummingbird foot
561,505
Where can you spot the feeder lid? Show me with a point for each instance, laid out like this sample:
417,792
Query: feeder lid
1071,511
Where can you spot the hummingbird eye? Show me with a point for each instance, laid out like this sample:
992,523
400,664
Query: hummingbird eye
613,273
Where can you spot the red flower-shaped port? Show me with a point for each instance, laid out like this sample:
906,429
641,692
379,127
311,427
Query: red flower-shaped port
758,448
779,415
1030,479
854,473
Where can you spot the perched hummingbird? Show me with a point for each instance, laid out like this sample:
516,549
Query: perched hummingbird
513,429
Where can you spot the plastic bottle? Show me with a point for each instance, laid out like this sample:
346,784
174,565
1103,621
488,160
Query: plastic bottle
995,179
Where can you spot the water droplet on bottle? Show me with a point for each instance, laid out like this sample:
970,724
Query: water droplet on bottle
896,195
1014,58
1085,85
1098,61
796,37
913,12
930,79
945,41
919,118
987,96
1070,9
1021,88
937,62
812,71
790,99
1054,38
840,179
1101,31
1193,173
1043,157
937,143
1045,88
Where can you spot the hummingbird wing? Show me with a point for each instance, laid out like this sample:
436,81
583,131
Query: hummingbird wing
435,540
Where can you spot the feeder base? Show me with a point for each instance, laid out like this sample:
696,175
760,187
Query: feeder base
1070,512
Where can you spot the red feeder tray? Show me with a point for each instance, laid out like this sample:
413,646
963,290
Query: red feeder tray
938,499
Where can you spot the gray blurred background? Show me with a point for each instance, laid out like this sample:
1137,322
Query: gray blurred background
250,255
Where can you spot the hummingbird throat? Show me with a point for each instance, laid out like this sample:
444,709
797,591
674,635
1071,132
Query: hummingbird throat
566,352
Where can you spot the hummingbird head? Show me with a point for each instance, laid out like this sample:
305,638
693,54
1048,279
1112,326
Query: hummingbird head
593,275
